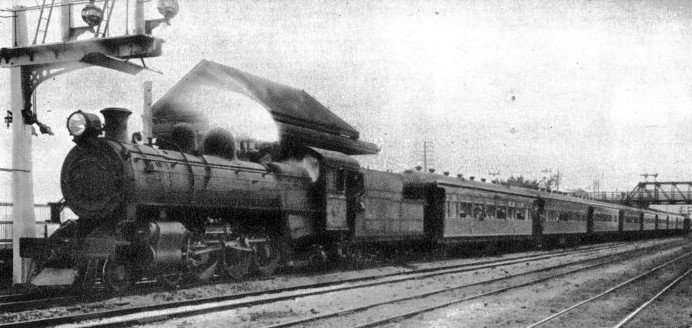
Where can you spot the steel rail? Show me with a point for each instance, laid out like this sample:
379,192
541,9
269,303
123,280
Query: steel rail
647,303
17,305
468,298
227,300
435,292
608,291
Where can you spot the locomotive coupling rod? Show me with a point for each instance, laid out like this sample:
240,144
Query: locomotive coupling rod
255,240
206,250
235,245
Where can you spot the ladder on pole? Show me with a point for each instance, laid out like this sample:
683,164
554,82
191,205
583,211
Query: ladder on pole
43,22
107,11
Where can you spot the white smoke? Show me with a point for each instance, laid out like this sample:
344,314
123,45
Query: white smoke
310,164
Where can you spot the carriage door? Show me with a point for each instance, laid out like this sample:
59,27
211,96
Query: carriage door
336,199
641,221
354,201
538,216
621,220
589,220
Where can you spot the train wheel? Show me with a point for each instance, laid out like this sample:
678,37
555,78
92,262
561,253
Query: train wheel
171,280
267,256
236,263
205,268
203,265
356,259
538,242
117,275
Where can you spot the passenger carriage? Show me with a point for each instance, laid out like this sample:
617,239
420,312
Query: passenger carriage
385,212
469,211
564,216
605,220
630,220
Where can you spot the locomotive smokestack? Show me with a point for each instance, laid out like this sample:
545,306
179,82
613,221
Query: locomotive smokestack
116,123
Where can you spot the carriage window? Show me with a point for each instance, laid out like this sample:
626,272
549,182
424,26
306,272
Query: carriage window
521,214
563,216
553,216
490,211
340,180
577,216
511,213
603,217
501,213
465,209
479,211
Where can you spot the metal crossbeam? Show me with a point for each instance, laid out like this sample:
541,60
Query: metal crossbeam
647,193
122,47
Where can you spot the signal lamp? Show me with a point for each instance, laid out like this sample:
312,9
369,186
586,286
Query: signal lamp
168,8
91,14
81,124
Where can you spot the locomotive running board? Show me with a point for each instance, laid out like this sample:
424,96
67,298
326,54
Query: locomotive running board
54,277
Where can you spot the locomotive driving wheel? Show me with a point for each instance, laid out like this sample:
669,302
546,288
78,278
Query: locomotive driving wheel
117,275
236,263
203,261
267,256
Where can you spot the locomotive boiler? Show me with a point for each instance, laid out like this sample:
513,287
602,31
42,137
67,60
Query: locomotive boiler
173,210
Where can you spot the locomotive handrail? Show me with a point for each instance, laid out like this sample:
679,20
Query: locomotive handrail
205,162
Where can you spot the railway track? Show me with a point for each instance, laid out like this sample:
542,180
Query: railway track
649,274
401,316
36,300
646,304
215,304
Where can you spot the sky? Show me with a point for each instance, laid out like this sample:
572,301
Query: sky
594,89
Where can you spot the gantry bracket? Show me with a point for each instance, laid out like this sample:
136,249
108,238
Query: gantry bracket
42,62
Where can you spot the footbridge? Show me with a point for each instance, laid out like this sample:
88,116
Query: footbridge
650,193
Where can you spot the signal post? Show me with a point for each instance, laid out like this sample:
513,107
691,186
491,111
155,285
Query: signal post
32,64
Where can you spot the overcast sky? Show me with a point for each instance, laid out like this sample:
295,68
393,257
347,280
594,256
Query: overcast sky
595,89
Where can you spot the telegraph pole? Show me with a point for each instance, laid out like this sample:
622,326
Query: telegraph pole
428,152
425,156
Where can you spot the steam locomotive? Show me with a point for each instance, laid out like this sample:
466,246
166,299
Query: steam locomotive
177,209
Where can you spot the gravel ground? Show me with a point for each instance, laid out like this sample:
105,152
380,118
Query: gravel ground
673,309
307,306
314,305
531,304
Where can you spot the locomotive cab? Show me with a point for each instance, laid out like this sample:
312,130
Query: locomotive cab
341,184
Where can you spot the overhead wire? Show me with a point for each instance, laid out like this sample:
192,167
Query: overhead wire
78,2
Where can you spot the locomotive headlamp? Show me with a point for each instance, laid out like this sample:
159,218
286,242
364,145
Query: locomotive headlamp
81,124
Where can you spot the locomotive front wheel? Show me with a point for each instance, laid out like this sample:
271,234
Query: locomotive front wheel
118,276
